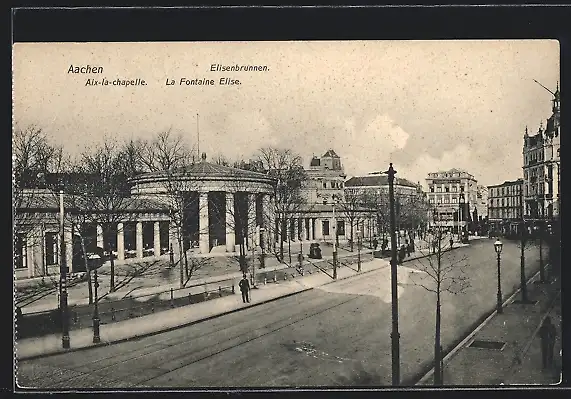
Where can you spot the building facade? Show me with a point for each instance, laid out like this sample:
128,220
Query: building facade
541,167
452,195
326,215
505,208
482,202
140,229
410,203
214,208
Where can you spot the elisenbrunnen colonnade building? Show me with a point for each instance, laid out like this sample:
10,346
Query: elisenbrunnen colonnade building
214,208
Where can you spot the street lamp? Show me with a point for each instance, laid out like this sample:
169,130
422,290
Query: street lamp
359,238
498,247
262,246
96,321
63,278
334,241
461,202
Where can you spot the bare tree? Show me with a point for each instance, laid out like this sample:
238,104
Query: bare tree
170,155
101,185
440,275
353,205
286,168
34,158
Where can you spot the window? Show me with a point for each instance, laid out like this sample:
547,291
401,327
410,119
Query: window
454,189
51,249
324,184
20,252
431,189
438,189
503,202
454,200
431,201
447,189
325,226
446,200
340,227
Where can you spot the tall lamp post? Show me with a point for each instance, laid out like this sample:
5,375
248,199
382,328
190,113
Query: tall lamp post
63,278
359,240
395,336
498,247
262,246
334,242
96,321
541,268
523,240
461,202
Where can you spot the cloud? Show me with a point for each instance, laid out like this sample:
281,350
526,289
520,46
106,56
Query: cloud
460,157
369,148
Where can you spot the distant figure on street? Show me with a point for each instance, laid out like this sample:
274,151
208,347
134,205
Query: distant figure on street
401,253
407,246
451,242
375,243
548,334
245,289
171,256
434,244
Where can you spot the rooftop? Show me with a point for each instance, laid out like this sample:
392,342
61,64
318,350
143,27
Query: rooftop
508,183
377,180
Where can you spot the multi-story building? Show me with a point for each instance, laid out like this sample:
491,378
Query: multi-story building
324,215
505,206
325,179
482,202
447,191
410,202
541,167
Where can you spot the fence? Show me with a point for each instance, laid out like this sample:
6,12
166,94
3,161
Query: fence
110,311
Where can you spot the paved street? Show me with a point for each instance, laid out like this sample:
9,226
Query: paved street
334,335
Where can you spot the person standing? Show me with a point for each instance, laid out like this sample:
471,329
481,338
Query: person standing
451,242
245,289
547,334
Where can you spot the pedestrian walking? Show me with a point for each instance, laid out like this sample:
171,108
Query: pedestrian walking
245,289
451,242
548,335
407,245
375,243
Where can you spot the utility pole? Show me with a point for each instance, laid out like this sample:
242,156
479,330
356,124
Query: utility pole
63,279
395,336
523,234
334,243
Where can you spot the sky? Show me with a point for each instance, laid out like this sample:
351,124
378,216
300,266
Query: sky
425,106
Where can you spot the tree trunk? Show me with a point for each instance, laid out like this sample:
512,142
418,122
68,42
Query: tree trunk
281,238
87,270
352,235
289,250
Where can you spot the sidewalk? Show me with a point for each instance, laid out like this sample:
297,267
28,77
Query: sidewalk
182,316
517,357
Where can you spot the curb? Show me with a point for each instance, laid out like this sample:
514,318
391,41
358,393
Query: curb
187,324
463,343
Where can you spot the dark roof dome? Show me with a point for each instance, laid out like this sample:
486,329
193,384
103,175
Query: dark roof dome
204,170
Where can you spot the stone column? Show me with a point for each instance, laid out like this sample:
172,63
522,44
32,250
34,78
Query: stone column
230,223
251,220
318,229
332,227
267,212
139,239
294,236
157,238
204,236
68,237
100,236
30,254
303,222
120,242
39,259
310,230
